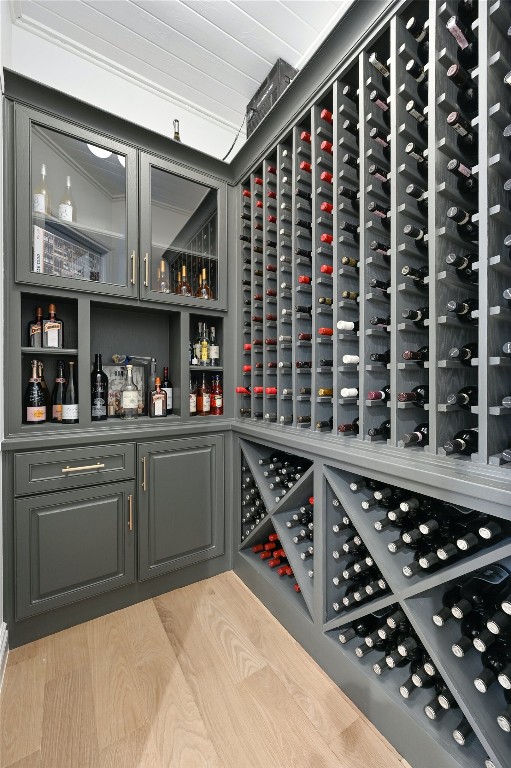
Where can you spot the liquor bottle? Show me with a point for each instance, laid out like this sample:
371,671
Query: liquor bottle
464,224
420,435
57,396
163,278
203,398
383,430
167,388
419,356
53,330
99,391
381,394
157,400
129,396
464,309
34,404
193,398
204,346
217,402
214,348
463,265
183,287
35,330
465,398
418,275
466,41
417,316
349,428
41,197
70,401
67,209
419,396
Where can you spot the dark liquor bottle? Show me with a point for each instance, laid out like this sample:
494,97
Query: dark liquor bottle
463,265
57,396
464,442
157,400
383,430
464,309
465,398
419,396
98,391
419,356
34,403
53,330
70,401
420,435
35,330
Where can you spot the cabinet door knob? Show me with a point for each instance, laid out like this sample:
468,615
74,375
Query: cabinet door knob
146,263
133,268
130,508
83,469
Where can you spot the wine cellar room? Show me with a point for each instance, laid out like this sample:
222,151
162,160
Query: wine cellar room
256,393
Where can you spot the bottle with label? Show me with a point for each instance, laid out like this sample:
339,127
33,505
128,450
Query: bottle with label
98,391
57,397
41,197
53,330
214,349
167,388
129,396
70,401
163,277
203,290
184,288
67,209
203,398
193,398
157,400
217,401
46,393
34,405
151,382
35,330
204,346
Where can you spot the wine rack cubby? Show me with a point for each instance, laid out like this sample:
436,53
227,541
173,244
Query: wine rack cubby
386,211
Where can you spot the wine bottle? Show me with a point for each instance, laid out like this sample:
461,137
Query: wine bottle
467,137
420,435
466,397
467,49
380,357
35,330
463,265
419,31
67,209
465,180
464,309
465,226
419,396
70,401
166,386
57,396
464,442
420,196
419,356
99,391
418,234
417,154
349,428
348,325
53,330
417,316
381,394
383,430
129,396
41,197
34,403
467,96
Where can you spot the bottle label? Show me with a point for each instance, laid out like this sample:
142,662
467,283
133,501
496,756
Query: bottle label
204,353
51,331
218,401
193,402
460,129
35,329
69,412
98,407
36,414
39,203
457,33
66,212
214,353
168,391
56,412
158,400
464,170
129,399
206,403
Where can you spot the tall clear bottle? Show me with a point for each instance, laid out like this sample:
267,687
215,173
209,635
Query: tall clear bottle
67,208
214,349
163,278
129,396
203,398
41,197
70,402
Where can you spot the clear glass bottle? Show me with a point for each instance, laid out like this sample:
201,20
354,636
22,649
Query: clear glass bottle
67,208
157,400
203,290
41,197
193,398
184,288
203,398
163,278
214,349
129,396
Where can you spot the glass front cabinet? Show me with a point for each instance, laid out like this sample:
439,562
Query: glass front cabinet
107,218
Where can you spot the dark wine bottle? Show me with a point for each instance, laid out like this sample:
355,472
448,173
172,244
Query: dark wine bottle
419,396
464,309
417,316
99,391
463,265
419,356
466,397
464,442
383,430
420,435
349,428
70,401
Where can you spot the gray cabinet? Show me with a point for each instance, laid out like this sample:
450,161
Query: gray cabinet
72,545
181,503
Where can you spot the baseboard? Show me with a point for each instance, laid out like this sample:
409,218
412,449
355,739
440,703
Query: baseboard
4,650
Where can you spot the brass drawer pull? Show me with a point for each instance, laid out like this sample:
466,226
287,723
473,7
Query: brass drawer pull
133,269
146,262
130,507
83,469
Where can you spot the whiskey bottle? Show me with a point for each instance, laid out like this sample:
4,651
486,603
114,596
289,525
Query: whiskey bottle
53,330
34,405
157,400
35,330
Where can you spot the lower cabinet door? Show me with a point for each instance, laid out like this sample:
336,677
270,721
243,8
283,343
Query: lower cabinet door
73,545
181,503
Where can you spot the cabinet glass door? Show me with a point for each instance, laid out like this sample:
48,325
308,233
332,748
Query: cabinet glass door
79,235
180,237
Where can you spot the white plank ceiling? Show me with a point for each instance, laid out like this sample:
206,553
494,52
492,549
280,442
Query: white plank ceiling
211,55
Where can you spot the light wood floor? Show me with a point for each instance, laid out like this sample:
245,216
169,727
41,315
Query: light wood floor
200,677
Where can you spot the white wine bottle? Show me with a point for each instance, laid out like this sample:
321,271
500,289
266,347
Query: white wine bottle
67,208
41,197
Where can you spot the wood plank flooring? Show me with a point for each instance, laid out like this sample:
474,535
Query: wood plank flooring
202,677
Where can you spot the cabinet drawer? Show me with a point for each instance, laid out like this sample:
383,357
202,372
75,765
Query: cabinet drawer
73,545
42,471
